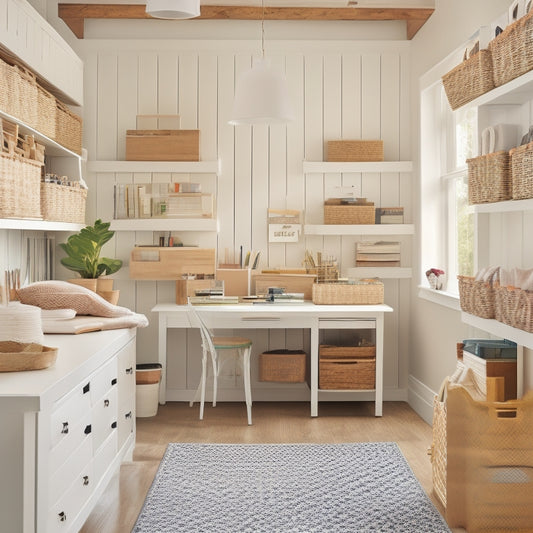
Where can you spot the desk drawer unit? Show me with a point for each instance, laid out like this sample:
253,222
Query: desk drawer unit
104,417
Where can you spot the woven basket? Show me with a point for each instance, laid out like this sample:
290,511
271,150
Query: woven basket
62,203
489,178
329,351
19,187
68,128
16,356
438,449
26,108
347,373
522,171
512,50
470,79
355,150
349,214
514,307
346,294
287,366
46,116
476,297
8,88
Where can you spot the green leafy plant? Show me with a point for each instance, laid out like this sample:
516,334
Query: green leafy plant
83,251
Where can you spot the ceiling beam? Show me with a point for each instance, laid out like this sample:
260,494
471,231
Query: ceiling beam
74,15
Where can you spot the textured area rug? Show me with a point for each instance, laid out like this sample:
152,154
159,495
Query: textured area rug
286,488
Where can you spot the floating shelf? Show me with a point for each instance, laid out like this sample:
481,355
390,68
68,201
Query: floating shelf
503,207
499,329
356,166
176,167
164,224
359,229
38,225
383,272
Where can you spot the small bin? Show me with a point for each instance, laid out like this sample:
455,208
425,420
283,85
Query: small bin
147,380
286,366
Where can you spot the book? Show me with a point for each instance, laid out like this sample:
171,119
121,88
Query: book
377,263
378,257
378,247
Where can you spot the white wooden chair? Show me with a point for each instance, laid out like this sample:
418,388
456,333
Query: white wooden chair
214,347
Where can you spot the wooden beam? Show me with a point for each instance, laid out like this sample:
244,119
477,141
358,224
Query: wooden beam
75,14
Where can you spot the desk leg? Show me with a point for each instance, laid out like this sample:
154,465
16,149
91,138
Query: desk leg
314,370
379,364
162,357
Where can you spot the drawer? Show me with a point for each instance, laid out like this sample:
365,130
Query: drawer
262,320
63,513
66,414
126,372
71,441
62,477
126,420
104,417
105,456
103,380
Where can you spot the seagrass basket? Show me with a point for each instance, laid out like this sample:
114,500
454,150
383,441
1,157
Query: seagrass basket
470,79
522,171
349,214
63,203
371,293
285,366
68,128
8,88
514,307
26,108
347,367
512,50
46,113
476,297
355,150
489,178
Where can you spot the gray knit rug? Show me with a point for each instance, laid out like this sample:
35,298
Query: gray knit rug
286,488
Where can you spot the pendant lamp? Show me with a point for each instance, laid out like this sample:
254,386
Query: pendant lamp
261,94
173,9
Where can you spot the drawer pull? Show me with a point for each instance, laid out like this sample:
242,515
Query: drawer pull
113,425
85,480
128,415
65,428
62,516
88,429
106,403
87,388
113,381
129,370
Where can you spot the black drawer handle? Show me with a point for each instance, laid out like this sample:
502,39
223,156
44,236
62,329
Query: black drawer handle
106,403
88,429
113,425
65,428
113,381
85,480
62,516
128,415
129,370
87,388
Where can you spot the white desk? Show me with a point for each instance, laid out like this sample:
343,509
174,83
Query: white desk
280,316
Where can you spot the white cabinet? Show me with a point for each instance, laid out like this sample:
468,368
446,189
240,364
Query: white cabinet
66,430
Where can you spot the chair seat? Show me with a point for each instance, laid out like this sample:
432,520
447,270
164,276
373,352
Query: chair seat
228,343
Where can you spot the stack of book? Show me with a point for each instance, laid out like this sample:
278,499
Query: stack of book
377,254
389,215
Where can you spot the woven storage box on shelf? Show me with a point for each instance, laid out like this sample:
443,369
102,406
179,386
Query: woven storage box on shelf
522,171
476,297
68,128
349,214
512,50
27,109
355,150
286,366
8,88
348,294
347,367
470,79
514,307
62,203
46,113
19,187
489,178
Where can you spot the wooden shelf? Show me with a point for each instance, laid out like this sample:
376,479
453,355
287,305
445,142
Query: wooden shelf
38,225
522,338
383,272
164,224
359,229
176,167
505,207
310,167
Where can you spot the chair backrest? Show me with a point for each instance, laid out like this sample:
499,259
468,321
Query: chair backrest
196,321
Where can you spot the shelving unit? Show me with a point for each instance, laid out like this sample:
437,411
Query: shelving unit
359,229
164,224
504,207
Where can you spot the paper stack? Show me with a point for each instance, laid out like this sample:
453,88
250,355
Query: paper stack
378,254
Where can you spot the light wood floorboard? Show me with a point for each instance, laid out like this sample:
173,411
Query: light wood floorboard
337,422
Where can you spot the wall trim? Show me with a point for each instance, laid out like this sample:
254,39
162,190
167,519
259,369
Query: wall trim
420,398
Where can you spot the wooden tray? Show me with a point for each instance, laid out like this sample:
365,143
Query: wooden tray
16,356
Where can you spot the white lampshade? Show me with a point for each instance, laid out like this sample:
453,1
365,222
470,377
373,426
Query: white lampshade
261,96
173,9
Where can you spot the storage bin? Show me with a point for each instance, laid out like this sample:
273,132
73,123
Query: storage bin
8,88
147,378
337,213
469,79
355,150
63,203
522,171
286,366
477,297
514,307
68,128
26,108
46,113
347,367
163,145
489,178
362,293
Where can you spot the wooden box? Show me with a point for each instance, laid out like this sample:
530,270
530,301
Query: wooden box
292,283
171,263
188,287
236,281
163,145
287,366
355,150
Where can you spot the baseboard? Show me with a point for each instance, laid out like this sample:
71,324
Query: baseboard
420,398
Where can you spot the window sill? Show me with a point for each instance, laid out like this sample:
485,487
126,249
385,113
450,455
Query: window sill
447,299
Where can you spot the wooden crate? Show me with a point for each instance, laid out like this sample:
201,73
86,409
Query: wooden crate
163,145
294,283
187,287
171,263
347,367
236,281
287,366
355,150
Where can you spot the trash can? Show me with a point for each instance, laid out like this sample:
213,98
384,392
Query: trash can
147,378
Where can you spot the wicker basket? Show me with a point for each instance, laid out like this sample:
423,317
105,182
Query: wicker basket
287,366
438,449
62,203
8,88
16,356
470,79
19,187
46,115
512,50
355,150
26,108
514,307
476,297
349,214
68,128
347,367
330,351
522,171
489,178
348,294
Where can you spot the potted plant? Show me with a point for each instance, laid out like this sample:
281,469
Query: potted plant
83,256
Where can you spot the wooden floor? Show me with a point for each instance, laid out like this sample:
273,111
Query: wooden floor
272,423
